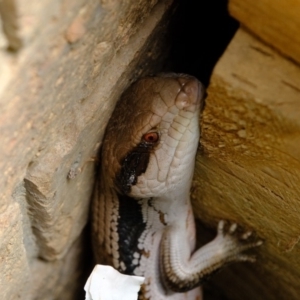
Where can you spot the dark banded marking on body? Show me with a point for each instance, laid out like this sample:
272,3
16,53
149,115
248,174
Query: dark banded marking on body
130,228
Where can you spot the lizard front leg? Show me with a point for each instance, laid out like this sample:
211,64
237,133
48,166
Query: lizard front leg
181,273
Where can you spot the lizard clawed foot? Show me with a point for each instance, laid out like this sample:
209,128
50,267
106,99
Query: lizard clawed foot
233,241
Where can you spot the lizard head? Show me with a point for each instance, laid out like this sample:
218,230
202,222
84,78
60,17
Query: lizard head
152,137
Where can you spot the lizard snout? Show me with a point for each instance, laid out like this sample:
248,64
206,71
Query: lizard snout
191,94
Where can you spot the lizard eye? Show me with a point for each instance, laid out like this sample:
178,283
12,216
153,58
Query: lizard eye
151,137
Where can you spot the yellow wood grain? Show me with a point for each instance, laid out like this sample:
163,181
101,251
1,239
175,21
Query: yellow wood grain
249,167
277,22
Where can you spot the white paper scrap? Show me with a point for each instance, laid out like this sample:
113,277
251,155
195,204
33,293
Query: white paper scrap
106,283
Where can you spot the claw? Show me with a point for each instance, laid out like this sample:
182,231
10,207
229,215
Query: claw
260,242
249,258
232,228
221,226
246,235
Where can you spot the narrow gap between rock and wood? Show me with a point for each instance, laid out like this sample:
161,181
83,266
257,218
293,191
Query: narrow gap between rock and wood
199,34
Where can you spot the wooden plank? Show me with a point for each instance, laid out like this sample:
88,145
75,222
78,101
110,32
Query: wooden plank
249,168
277,22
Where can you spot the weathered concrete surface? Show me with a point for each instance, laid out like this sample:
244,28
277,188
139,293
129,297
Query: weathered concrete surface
249,167
57,93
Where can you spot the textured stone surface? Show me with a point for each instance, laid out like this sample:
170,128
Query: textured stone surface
57,93
14,266
61,279
276,22
249,167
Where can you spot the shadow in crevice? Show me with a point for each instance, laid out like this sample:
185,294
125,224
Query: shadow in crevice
199,34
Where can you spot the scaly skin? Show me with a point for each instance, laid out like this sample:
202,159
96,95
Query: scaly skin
143,223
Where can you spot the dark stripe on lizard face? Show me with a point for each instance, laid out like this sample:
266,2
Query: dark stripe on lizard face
133,165
130,228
